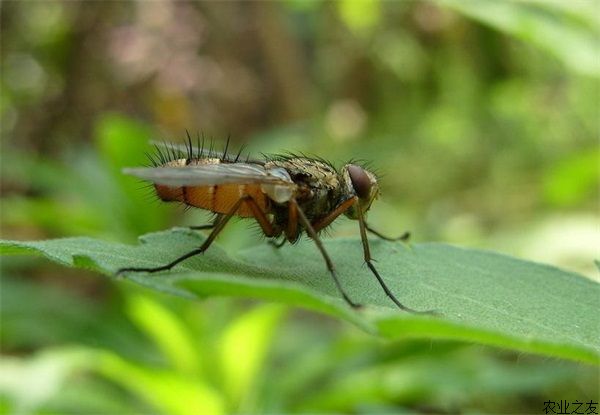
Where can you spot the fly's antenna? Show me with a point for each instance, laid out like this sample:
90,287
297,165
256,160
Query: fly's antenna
189,146
226,148
237,157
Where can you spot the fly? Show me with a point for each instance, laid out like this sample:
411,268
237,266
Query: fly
287,195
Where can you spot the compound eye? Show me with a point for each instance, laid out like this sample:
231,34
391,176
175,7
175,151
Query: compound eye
360,181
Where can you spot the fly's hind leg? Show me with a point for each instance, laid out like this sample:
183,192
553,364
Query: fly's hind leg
208,225
202,227
217,228
404,237
277,245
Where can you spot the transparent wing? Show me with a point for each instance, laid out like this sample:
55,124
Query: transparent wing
211,174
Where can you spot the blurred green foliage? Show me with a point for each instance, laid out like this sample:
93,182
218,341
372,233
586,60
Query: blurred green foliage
482,117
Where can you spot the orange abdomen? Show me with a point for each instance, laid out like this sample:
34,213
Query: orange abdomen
218,198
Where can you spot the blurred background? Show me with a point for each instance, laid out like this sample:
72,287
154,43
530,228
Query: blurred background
481,116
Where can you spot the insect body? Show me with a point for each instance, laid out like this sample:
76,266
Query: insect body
286,195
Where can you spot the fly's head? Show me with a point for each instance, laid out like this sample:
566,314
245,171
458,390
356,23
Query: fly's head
361,183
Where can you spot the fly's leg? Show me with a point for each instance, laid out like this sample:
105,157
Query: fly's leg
369,261
208,225
367,253
261,217
277,245
313,234
404,237
345,206
202,227
326,221
218,227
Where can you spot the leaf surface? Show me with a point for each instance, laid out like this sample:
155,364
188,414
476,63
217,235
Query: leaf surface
482,297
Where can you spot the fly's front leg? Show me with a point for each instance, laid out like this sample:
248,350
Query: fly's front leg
315,237
218,227
369,261
341,208
404,237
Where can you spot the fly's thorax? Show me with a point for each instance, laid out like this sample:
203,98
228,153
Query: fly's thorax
307,173
279,193
361,183
317,187
317,183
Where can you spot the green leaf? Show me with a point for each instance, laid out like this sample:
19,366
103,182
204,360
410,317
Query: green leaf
168,332
567,30
244,347
193,395
28,384
573,180
360,16
482,297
